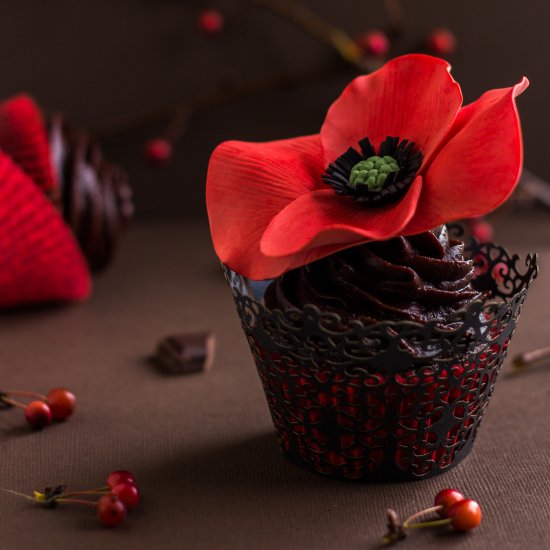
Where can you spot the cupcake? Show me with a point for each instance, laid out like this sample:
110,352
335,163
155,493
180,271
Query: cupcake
378,338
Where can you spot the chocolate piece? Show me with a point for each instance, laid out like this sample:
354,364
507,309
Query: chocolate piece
419,278
95,195
185,353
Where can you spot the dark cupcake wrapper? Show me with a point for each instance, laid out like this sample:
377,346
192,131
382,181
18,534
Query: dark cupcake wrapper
392,401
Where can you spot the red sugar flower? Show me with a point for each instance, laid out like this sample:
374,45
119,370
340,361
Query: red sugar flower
396,155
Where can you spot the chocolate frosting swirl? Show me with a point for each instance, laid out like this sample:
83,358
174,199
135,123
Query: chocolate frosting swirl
419,278
95,196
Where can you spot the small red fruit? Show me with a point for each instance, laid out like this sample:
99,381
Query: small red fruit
110,510
447,498
128,494
62,403
441,42
210,22
465,515
158,151
481,229
373,43
119,477
38,414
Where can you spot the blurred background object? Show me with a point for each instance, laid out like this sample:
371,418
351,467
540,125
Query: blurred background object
127,69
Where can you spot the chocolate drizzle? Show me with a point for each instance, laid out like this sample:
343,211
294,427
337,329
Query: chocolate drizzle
96,199
419,278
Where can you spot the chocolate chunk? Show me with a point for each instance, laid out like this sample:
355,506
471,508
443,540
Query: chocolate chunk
185,353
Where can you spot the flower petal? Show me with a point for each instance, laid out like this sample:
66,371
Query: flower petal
322,218
478,167
413,97
250,183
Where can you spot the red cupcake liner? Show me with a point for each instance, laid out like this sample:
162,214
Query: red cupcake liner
40,260
394,401
24,138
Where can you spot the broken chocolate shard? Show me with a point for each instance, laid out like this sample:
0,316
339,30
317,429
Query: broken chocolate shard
185,353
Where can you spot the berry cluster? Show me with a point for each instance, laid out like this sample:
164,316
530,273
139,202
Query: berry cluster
454,509
58,405
122,496
116,498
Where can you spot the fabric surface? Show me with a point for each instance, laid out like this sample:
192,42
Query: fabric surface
202,446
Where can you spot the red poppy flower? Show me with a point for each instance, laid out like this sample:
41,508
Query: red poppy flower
280,205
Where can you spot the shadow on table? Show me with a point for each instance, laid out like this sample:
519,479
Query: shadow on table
244,490
244,464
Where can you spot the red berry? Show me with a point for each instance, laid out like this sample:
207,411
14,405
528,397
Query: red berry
128,494
441,42
120,476
110,510
465,515
62,403
481,229
38,414
447,498
158,151
373,43
210,22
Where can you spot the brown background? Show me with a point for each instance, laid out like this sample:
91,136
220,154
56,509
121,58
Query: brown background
103,59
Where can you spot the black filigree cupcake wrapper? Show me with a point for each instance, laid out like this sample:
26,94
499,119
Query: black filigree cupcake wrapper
393,401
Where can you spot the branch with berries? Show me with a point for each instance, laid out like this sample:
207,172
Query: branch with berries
452,509
58,405
112,502
362,54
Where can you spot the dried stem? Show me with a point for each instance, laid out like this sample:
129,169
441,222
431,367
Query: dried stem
531,358
77,501
31,394
432,523
95,492
410,519
12,402
310,22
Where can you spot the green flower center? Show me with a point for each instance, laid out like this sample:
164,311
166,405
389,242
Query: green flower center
372,172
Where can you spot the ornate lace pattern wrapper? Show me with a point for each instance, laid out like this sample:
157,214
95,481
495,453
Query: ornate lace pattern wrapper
391,401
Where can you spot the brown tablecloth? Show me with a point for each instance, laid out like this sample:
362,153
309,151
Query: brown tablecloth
203,447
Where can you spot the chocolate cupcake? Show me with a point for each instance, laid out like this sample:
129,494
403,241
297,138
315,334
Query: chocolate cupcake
378,339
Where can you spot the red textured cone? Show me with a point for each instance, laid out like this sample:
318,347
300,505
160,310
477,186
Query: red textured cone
23,136
40,260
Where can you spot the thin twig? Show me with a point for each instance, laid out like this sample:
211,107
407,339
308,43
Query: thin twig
316,26
100,491
12,402
19,494
77,501
410,519
32,394
531,358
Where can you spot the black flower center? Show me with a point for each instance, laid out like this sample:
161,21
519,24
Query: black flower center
375,179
